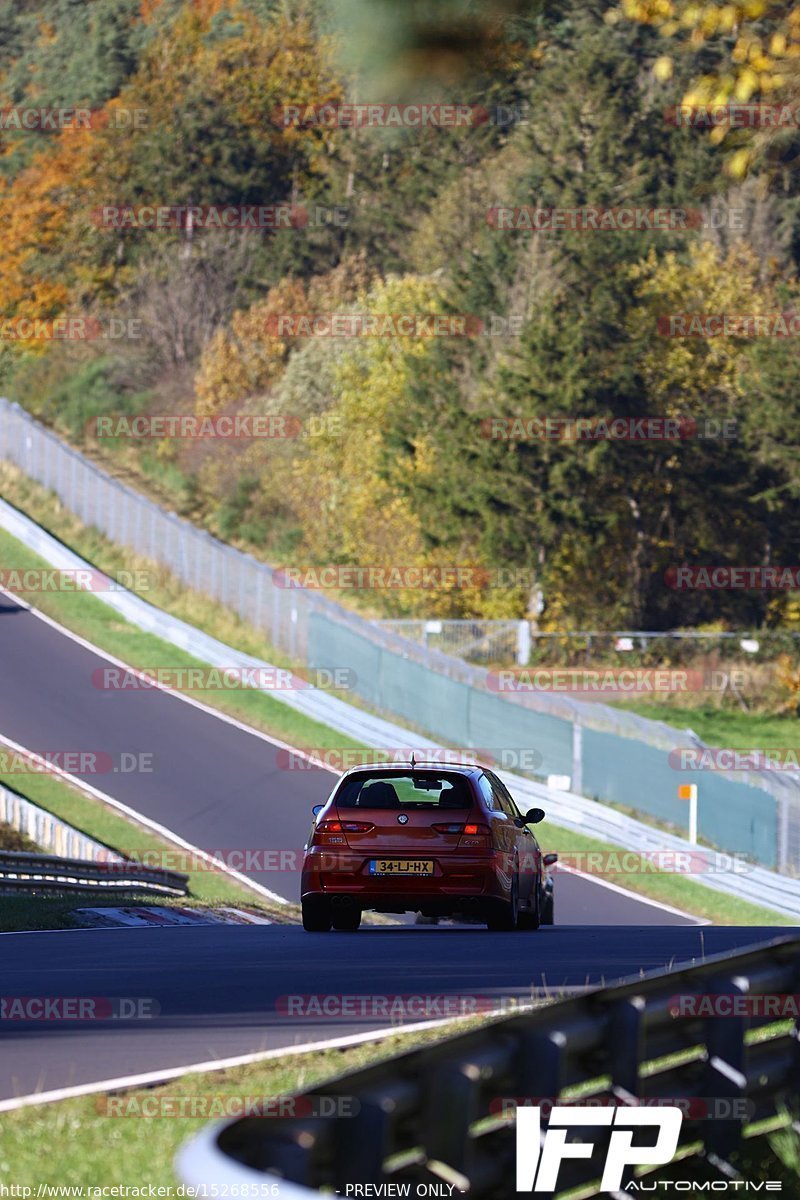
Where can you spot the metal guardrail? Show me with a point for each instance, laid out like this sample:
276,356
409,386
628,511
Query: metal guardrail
48,832
438,1114
22,872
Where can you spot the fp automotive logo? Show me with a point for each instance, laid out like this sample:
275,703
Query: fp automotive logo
539,1158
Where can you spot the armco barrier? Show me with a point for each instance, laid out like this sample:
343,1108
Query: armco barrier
439,1114
42,873
759,885
49,832
76,862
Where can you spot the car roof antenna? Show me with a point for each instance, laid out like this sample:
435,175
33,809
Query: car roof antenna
413,764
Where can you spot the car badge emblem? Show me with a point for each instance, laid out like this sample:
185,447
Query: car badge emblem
402,819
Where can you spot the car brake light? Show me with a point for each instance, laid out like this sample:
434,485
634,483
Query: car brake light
448,828
475,836
332,832
329,833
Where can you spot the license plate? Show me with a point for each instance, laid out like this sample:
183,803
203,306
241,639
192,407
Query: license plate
401,866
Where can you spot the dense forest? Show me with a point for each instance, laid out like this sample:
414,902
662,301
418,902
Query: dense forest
418,449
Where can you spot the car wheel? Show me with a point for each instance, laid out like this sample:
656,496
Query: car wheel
532,919
316,914
347,920
505,917
548,910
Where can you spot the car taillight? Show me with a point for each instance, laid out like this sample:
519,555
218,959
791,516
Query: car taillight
332,832
475,836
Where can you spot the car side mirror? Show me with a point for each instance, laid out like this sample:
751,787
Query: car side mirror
550,860
317,809
534,815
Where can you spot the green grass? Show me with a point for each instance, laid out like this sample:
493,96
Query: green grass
86,1145
725,727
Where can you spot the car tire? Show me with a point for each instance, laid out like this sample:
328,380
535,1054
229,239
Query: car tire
548,910
347,920
316,914
505,917
532,918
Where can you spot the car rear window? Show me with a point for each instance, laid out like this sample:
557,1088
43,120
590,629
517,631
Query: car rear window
418,790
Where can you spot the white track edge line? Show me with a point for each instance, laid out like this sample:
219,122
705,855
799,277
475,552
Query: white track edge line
220,714
222,1064
148,823
628,893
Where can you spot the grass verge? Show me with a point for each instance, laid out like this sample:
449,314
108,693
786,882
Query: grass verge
85,1144
724,727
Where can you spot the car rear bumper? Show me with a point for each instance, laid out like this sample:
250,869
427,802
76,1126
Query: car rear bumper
458,878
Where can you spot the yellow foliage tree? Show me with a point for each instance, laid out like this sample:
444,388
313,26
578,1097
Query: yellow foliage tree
249,357
684,375
346,485
763,62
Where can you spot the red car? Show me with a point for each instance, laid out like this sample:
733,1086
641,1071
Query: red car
426,839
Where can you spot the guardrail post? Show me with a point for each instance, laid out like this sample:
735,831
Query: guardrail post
725,1069
577,758
523,643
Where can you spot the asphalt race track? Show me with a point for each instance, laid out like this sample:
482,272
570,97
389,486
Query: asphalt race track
220,787
218,990
215,785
